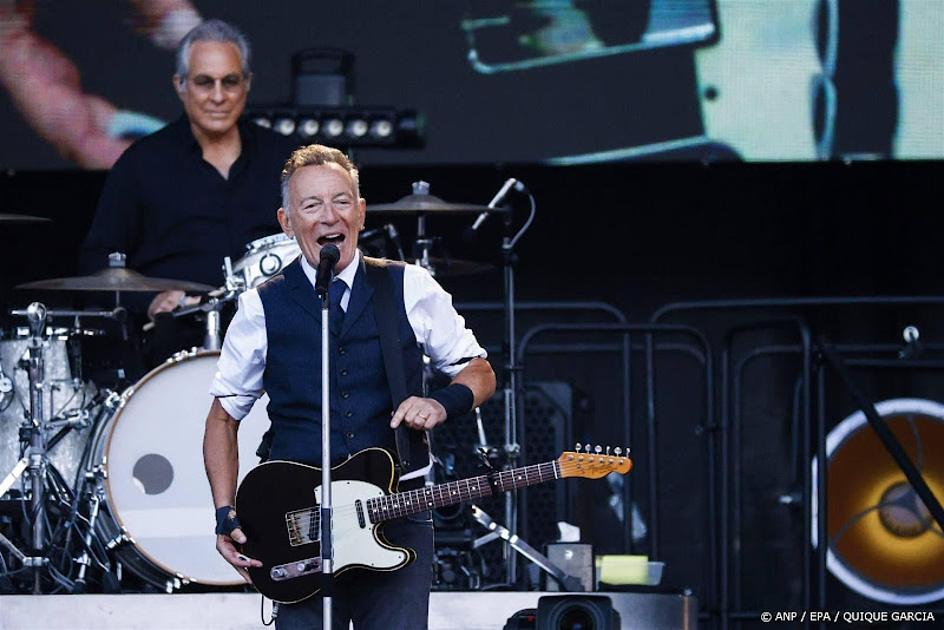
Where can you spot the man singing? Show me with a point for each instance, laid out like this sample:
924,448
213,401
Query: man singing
273,345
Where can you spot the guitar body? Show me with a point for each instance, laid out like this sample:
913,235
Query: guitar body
275,502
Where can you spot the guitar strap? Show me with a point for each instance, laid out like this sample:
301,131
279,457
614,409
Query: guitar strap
385,313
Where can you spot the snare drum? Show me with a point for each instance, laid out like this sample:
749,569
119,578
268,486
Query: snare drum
158,510
265,257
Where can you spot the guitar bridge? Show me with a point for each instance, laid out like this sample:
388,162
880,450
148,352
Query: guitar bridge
296,569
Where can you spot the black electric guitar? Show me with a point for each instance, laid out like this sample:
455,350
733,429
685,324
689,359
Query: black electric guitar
277,503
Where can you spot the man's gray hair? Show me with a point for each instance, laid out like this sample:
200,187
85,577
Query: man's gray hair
317,155
212,31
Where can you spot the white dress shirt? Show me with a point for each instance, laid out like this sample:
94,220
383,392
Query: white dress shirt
440,332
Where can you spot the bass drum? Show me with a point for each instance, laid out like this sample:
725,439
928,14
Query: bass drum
158,511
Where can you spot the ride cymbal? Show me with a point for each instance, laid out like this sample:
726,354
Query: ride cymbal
116,279
22,218
422,203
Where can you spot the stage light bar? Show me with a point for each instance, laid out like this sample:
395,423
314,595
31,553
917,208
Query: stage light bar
343,127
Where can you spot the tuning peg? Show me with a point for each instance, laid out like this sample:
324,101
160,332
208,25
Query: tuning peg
608,451
587,448
578,447
598,449
618,451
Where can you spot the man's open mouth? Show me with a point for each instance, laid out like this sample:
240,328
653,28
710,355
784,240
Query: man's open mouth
331,238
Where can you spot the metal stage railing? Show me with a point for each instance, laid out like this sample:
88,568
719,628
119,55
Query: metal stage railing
721,606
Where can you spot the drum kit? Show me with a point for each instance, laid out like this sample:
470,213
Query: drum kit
106,490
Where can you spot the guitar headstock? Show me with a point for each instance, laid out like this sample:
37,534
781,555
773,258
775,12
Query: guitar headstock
593,463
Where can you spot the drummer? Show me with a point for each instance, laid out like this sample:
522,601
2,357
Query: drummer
180,200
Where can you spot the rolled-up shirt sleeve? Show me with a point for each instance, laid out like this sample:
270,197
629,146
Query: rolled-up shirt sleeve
237,383
439,329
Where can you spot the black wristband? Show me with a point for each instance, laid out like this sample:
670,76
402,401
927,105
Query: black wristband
456,399
226,520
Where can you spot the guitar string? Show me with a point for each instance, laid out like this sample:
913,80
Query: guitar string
395,503
392,505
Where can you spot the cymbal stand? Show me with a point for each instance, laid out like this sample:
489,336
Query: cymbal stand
35,460
423,244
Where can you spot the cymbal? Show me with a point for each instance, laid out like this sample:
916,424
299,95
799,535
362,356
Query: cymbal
116,279
415,204
451,267
22,218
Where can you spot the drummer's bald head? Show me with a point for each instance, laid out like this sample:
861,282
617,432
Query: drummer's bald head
316,155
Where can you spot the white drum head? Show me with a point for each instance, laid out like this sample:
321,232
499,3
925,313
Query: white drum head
157,486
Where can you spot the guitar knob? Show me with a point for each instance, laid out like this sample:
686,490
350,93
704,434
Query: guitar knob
300,566
278,572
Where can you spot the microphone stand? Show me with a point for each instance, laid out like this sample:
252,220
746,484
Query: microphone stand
327,553
512,448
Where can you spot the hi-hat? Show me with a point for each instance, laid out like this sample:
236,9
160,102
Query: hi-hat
116,279
22,218
415,204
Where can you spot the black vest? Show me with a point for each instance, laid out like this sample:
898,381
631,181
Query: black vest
361,402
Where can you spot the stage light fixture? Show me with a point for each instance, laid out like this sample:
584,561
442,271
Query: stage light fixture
333,127
308,127
356,128
381,128
284,126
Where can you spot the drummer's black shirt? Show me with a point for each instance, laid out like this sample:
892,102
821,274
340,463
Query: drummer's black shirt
172,212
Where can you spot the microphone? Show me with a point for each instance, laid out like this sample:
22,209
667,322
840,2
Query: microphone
499,197
328,259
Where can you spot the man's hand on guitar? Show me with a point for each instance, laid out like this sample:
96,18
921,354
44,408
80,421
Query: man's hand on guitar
418,413
228,534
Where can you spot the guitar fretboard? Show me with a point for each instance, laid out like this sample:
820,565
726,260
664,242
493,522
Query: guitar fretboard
405,503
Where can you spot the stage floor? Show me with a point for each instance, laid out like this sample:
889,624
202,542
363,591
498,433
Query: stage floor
448,611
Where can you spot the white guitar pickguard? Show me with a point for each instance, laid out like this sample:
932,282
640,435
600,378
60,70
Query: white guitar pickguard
354,545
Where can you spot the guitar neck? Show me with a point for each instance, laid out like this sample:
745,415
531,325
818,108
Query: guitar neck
405,503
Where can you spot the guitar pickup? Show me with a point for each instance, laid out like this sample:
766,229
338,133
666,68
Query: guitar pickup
359,507
291,570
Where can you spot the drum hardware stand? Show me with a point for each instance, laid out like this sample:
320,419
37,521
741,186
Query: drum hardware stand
212,339
96,476
423,244
567,582
36,458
